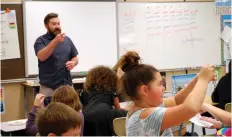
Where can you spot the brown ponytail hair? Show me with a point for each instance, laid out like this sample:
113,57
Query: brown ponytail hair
136,74
131,57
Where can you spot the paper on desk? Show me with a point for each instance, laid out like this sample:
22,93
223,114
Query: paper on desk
196,120
31,82
227,51
125,104
226,34
17,122
79,80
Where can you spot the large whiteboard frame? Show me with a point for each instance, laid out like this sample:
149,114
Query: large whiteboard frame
132,40
117,31
111,26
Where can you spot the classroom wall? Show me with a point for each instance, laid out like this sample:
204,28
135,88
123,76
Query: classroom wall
14,92
14,102
14,96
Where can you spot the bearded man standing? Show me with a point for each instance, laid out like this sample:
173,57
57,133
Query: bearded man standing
57,56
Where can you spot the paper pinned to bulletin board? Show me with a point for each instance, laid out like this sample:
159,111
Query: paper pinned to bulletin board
227,65
2,101
212,85
226,36
226,20
9,35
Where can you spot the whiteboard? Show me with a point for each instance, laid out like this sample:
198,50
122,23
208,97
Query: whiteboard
90,25
9,36
171,35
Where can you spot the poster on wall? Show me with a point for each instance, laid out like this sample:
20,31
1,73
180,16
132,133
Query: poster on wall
9,36
223,7
181,81
226,21
227,66
2,101
163,75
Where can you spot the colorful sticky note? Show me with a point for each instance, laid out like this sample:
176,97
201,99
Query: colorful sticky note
12,25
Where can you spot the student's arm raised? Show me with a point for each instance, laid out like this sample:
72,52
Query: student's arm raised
180,96
31,128
192,104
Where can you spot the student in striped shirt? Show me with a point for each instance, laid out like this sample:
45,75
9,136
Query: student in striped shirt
152,115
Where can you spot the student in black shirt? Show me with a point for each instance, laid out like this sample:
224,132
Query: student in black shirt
101,85
222,93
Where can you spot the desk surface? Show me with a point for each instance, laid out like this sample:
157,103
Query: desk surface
31,85
11,126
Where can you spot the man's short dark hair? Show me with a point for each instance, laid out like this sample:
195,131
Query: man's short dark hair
50,16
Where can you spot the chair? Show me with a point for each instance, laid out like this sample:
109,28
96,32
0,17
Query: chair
228,107
119,126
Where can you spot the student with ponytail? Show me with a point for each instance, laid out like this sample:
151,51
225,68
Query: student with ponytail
152,115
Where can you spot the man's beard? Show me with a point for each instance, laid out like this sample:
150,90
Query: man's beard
55,31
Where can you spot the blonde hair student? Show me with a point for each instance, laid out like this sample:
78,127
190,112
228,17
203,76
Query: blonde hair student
152,115
67,95
64,94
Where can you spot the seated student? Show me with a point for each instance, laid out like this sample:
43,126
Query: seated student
101,85
222,93
64,94
148,116
58,119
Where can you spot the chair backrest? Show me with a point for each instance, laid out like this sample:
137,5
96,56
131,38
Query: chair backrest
119,126
228,107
